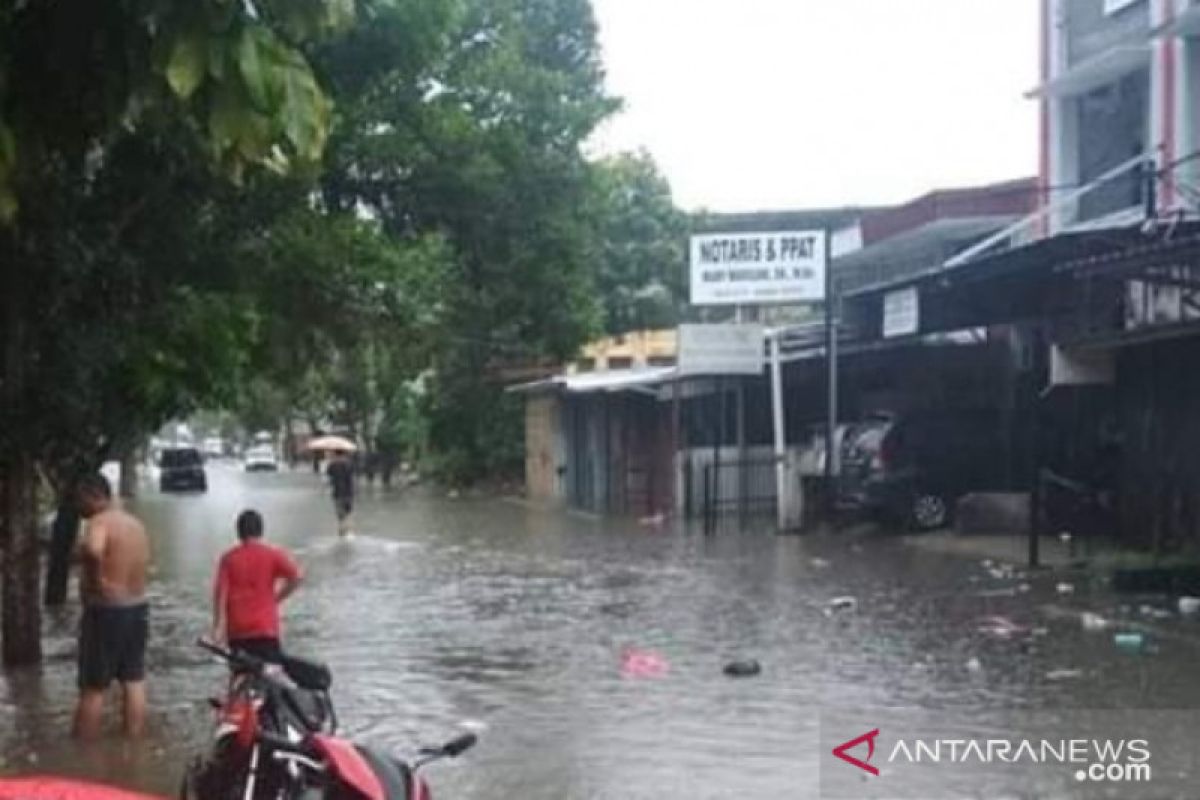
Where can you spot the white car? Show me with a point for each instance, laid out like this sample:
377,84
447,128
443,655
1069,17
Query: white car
261,459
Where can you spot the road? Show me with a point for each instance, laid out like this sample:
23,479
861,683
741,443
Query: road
446,611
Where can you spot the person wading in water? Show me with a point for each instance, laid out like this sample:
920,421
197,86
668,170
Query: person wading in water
115,554
253,579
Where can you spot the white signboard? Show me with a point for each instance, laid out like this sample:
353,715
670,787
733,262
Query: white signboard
758,268
901,313
721,349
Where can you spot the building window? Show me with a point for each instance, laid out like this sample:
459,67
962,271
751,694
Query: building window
620,362
1112,130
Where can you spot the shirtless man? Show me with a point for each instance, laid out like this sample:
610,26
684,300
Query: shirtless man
112,635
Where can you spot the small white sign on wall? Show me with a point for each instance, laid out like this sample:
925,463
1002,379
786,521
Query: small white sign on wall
901,313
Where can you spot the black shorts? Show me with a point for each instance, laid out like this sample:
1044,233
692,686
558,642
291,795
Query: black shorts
342,506
112,645
264,648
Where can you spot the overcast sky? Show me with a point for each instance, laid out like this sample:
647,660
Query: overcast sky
758,104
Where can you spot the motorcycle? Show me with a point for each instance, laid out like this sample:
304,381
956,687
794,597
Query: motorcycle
276,739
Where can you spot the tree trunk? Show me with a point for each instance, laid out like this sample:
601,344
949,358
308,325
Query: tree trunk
20,610
289,442
20,571
129,472
63,534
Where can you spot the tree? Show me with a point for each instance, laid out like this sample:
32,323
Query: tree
480,140
642,240
114,231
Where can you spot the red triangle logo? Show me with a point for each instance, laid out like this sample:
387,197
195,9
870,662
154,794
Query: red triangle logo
841,751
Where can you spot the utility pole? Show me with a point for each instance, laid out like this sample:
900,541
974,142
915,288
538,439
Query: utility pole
831,357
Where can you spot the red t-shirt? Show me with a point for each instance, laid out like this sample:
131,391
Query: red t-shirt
248,574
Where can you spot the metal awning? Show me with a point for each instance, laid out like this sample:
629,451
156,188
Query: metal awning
1095,72
1039,254
616,380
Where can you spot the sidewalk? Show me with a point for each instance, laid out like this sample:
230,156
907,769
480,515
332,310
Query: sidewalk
1007,548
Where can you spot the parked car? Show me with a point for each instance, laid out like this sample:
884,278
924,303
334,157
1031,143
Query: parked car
812,453
214,447
181,469
261,459
913,468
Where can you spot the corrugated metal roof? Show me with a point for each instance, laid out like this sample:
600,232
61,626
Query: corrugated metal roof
616,380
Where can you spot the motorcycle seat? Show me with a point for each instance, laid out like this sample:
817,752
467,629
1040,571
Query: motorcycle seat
311,709
311,675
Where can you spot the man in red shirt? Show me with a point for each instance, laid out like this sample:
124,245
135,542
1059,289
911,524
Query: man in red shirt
253,579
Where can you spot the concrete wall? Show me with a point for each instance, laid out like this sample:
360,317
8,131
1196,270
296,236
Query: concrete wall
543,449
1091,32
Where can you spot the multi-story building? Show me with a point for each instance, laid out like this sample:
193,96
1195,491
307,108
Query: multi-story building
1120,95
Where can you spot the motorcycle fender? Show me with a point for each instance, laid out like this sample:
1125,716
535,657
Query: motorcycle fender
350,767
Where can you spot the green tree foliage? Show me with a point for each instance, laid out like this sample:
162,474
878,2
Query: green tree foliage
480,139
122,250
642,238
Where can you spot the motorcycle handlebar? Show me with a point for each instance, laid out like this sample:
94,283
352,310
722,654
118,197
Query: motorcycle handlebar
238,661
451,749
456,747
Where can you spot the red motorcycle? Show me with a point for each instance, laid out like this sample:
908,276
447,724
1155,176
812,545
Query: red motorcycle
276,740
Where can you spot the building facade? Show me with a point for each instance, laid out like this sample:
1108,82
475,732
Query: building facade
1120,97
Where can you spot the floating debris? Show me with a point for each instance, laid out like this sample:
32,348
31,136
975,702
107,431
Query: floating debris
845,603
819,563
1130,642
1189,605
1065,588
637,663
1002,628
974,665
1064,674
743,669
1155,612
1091,621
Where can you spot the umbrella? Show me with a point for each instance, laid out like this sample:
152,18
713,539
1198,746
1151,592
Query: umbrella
331,443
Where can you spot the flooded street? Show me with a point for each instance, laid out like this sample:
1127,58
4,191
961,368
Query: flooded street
444,611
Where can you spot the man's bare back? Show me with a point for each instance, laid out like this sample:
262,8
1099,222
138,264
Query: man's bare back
116,554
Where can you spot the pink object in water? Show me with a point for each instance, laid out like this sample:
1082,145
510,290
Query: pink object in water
642,663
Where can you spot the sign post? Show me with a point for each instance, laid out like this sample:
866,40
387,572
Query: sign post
777,420
769,268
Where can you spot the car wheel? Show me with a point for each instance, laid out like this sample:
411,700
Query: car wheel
929,511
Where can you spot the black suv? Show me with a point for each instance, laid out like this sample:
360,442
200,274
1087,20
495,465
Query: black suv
913,468
181,469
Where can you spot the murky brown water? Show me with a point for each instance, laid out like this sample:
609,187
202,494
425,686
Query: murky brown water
442,611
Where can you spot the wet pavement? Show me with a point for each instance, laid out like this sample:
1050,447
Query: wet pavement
449,611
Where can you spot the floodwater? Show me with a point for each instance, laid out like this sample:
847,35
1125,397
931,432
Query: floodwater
443,611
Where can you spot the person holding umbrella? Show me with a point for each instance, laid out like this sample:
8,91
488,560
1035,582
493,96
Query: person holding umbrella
341,477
